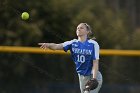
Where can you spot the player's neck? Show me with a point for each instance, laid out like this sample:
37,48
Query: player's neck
82,38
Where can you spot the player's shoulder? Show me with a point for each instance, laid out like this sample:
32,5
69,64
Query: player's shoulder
70,42
93,41
74,40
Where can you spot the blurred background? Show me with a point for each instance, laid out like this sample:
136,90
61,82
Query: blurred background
115,23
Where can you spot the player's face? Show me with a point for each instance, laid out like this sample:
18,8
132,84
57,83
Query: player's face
81,30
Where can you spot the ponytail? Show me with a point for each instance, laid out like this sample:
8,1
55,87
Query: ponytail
90,34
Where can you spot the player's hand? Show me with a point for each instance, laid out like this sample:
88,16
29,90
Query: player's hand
91,85
43,45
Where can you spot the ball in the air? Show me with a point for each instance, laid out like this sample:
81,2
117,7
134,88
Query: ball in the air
25,15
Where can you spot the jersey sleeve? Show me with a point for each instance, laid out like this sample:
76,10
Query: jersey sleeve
67,45
96,49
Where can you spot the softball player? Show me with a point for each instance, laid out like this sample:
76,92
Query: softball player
85,54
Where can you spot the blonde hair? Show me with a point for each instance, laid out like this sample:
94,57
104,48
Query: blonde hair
90,34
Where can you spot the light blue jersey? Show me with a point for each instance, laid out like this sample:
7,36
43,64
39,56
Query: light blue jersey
83,54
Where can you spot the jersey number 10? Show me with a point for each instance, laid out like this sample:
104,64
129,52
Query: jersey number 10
81,58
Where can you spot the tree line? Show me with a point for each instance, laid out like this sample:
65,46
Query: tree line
115,24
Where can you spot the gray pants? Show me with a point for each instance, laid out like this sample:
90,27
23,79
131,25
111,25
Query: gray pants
84,79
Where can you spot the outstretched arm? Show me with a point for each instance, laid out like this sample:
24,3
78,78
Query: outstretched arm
52,46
